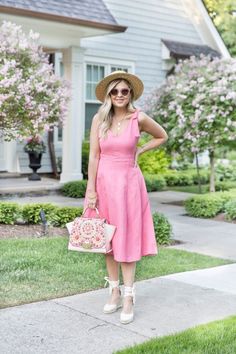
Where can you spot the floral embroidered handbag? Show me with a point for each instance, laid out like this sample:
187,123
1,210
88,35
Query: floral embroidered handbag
89,234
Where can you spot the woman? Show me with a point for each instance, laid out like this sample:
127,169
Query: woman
116,184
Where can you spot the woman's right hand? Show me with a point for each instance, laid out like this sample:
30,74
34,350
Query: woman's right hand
92,200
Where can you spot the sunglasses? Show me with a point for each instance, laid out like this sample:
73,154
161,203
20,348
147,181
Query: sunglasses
124,92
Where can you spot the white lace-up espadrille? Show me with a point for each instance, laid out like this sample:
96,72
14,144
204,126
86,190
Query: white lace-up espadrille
128,317
110,308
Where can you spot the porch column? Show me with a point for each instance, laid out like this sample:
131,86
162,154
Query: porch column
73,60
12,157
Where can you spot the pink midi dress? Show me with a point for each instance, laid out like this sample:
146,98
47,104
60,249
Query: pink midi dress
122,195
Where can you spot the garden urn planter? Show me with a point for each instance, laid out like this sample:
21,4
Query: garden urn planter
35,164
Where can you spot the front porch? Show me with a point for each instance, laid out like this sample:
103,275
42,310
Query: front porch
60,36
15,185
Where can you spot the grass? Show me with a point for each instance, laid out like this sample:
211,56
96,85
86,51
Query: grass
192,188
189,189
217,337
43,268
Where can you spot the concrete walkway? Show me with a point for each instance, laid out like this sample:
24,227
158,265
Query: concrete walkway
76,324
22,185
164,305
209,237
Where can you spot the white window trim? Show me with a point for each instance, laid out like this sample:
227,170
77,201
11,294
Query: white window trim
108,63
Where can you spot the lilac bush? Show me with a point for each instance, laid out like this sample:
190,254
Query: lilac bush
32,98
197,106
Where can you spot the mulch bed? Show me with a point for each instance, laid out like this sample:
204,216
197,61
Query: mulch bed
22,231
222,217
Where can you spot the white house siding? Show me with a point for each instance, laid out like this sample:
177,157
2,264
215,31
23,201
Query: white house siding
148,22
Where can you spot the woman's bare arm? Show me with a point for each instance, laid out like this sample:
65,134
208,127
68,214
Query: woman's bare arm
148,125
94,154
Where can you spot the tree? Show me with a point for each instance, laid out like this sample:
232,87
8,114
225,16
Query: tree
197,106
32,98
222,13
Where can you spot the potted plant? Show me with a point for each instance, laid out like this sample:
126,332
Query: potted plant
35,147
33,99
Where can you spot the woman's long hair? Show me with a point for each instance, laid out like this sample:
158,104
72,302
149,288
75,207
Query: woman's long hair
106,111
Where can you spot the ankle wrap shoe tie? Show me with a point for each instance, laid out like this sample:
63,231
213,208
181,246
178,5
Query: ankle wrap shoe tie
110,308
128,317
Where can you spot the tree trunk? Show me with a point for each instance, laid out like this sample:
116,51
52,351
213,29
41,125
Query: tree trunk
212,174
52,153
198,174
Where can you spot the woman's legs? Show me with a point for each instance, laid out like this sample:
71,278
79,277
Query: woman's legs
113,274
128,272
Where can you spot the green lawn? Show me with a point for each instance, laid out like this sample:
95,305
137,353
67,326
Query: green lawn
217,337
189,189
43,268
193,188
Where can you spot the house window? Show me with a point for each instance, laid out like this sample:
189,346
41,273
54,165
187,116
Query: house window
95,73
115,68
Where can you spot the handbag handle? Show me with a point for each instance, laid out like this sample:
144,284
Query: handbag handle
89,208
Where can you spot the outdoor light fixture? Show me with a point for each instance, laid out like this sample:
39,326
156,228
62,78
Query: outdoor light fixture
44,222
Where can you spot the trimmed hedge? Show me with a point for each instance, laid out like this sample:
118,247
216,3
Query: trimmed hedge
59,216
225,185
163,228
207,205
230,209
9,212
29,213
154,182
184,178
75,189
64,215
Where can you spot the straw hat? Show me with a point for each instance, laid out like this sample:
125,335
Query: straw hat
135,82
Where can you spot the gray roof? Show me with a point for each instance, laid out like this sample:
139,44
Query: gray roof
185,50
85,10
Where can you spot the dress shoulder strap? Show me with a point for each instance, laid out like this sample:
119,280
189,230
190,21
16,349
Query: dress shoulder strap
136,113
135,123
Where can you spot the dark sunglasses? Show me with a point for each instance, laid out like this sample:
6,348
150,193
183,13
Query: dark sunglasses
124,92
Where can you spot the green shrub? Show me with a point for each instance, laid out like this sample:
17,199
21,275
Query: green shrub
154,182
224,185
224,173
185,177
163,228
31,212
230,209
178,178
153,161
63,215
204,176
207,205
171,178
9,212
75,189
85,158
